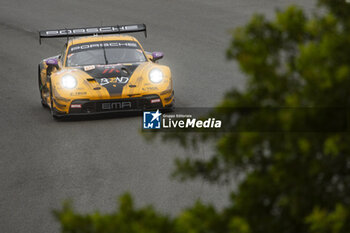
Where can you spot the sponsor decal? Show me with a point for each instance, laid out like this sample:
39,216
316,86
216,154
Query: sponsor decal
122,80
116,105
87,68
155,101
78,93
75,106
104,81
150,88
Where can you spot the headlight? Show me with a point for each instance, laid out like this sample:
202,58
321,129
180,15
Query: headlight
156,76
68,81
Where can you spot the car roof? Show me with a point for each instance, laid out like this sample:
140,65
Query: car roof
88,39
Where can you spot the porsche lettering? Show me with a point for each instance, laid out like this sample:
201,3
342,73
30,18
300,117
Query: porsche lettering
91,30
101,45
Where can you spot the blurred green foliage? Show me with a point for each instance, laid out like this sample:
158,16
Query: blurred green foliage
125,219
293,182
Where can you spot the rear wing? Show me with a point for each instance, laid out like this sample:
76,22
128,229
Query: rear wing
92,31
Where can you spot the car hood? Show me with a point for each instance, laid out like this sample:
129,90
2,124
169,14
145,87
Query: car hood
112,77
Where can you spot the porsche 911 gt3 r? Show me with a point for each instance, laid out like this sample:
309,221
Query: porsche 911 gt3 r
98,73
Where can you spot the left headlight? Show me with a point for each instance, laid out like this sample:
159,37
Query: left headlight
156,76
68,81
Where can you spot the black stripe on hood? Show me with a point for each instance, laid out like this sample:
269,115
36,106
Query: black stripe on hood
112,77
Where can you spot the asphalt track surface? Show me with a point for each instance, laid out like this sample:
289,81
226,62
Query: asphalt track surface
43,162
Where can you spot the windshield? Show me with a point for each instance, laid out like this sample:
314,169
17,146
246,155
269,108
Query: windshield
108,52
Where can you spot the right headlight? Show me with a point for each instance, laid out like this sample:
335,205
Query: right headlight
156,76
68,81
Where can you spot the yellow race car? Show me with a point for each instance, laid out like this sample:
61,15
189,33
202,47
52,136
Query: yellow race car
101,71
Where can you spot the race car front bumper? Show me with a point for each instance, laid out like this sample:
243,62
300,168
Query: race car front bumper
90,107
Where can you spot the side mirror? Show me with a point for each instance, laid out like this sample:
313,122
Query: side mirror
51,63
157,55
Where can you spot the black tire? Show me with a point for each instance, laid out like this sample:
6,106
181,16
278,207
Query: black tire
58,118
43,103
173,105
52,109
170,108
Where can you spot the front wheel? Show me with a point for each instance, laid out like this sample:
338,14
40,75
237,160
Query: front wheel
52,108
170,107
41,86
57,117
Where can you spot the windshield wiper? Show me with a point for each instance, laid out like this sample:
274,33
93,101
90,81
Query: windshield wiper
104,52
